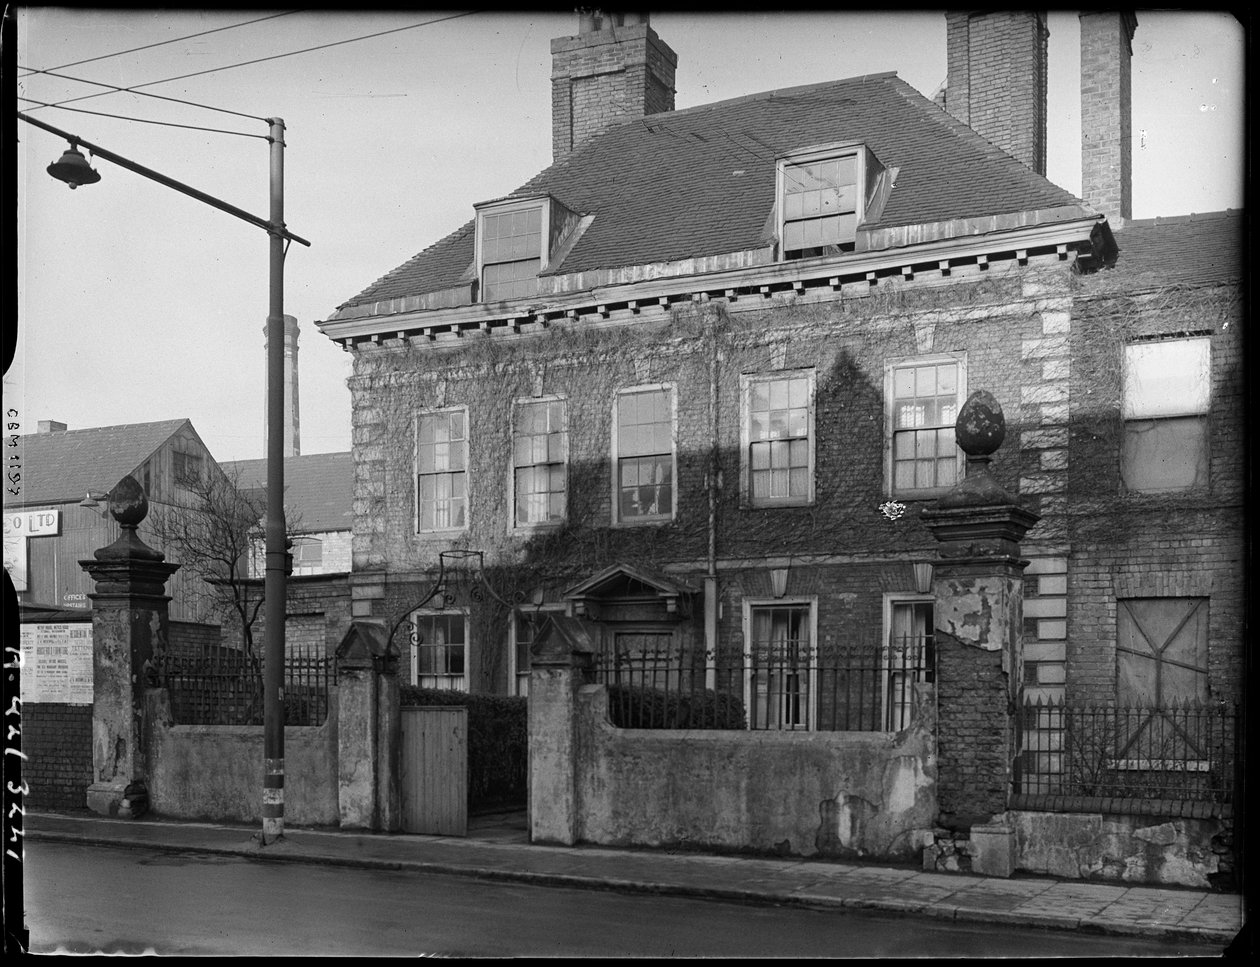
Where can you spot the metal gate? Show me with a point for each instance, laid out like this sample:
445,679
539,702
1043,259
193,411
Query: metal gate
435,770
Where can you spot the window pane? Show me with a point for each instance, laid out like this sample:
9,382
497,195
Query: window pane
1169,378
1164,455
903,446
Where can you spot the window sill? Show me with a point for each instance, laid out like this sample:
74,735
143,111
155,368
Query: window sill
643,521
526,529
919,495
749,503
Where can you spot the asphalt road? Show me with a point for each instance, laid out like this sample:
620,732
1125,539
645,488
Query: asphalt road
84,899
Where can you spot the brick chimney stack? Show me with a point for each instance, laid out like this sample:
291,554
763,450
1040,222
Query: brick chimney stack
615,70
996,81
1107,113
292,440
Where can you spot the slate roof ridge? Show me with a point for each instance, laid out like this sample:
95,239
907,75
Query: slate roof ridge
175,424
261,462
1160,220
777,93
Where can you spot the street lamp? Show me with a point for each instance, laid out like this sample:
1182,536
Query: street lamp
74,170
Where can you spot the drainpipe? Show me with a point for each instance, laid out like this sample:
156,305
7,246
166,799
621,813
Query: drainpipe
713,480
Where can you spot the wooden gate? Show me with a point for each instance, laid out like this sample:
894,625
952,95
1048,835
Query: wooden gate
435,770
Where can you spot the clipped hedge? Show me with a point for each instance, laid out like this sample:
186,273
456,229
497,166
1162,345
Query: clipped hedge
498,734
638,707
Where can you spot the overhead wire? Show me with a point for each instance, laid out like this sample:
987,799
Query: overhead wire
168,124
114,89
260,60
160,43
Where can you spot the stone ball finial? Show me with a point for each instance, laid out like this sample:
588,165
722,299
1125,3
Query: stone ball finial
981,425
127,502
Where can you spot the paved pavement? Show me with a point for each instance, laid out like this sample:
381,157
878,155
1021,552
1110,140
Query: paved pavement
497,847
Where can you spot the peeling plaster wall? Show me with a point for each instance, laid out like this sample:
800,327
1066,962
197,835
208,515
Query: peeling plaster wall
1129,849
840,794
215,772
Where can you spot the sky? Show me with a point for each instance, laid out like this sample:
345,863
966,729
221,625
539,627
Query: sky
137,303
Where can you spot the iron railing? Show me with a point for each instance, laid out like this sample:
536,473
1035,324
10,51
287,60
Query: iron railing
786,686
1182,751
227,689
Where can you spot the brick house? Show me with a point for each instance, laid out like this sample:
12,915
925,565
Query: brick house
696,382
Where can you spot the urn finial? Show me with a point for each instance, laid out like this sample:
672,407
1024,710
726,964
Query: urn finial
979,430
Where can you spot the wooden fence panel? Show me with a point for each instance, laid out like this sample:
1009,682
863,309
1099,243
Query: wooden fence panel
435,770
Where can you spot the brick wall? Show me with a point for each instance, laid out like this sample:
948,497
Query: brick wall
974,735
607,77
191,640
1107,113
317,616
997,74
841,548
1127,544
57,743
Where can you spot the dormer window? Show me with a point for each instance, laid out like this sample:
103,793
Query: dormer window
516,240
822,194
511,246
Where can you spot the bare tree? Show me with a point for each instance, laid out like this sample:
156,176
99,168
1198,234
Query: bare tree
215,534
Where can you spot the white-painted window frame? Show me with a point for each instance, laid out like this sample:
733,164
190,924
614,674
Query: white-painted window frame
517,405
890,418
891,600
826,152
467,471
811,693
617,519
421,613
746,383
541,203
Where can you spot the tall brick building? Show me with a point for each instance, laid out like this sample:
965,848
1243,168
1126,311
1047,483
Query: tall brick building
696,382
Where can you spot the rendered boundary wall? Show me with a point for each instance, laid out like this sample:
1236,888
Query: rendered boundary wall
838,794
215,772
1128,849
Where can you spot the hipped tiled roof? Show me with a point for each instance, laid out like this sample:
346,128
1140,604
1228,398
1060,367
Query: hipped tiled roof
701,181
318,488
64,465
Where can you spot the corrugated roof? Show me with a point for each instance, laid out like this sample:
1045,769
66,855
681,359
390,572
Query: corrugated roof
1197,248
701,181
318,488
65,465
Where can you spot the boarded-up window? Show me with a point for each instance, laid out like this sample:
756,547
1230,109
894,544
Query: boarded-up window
1161,650
1161,669
1167,390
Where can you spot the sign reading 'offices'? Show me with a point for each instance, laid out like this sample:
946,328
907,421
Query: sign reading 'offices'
57,663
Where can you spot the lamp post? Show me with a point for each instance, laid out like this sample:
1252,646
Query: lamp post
74,170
